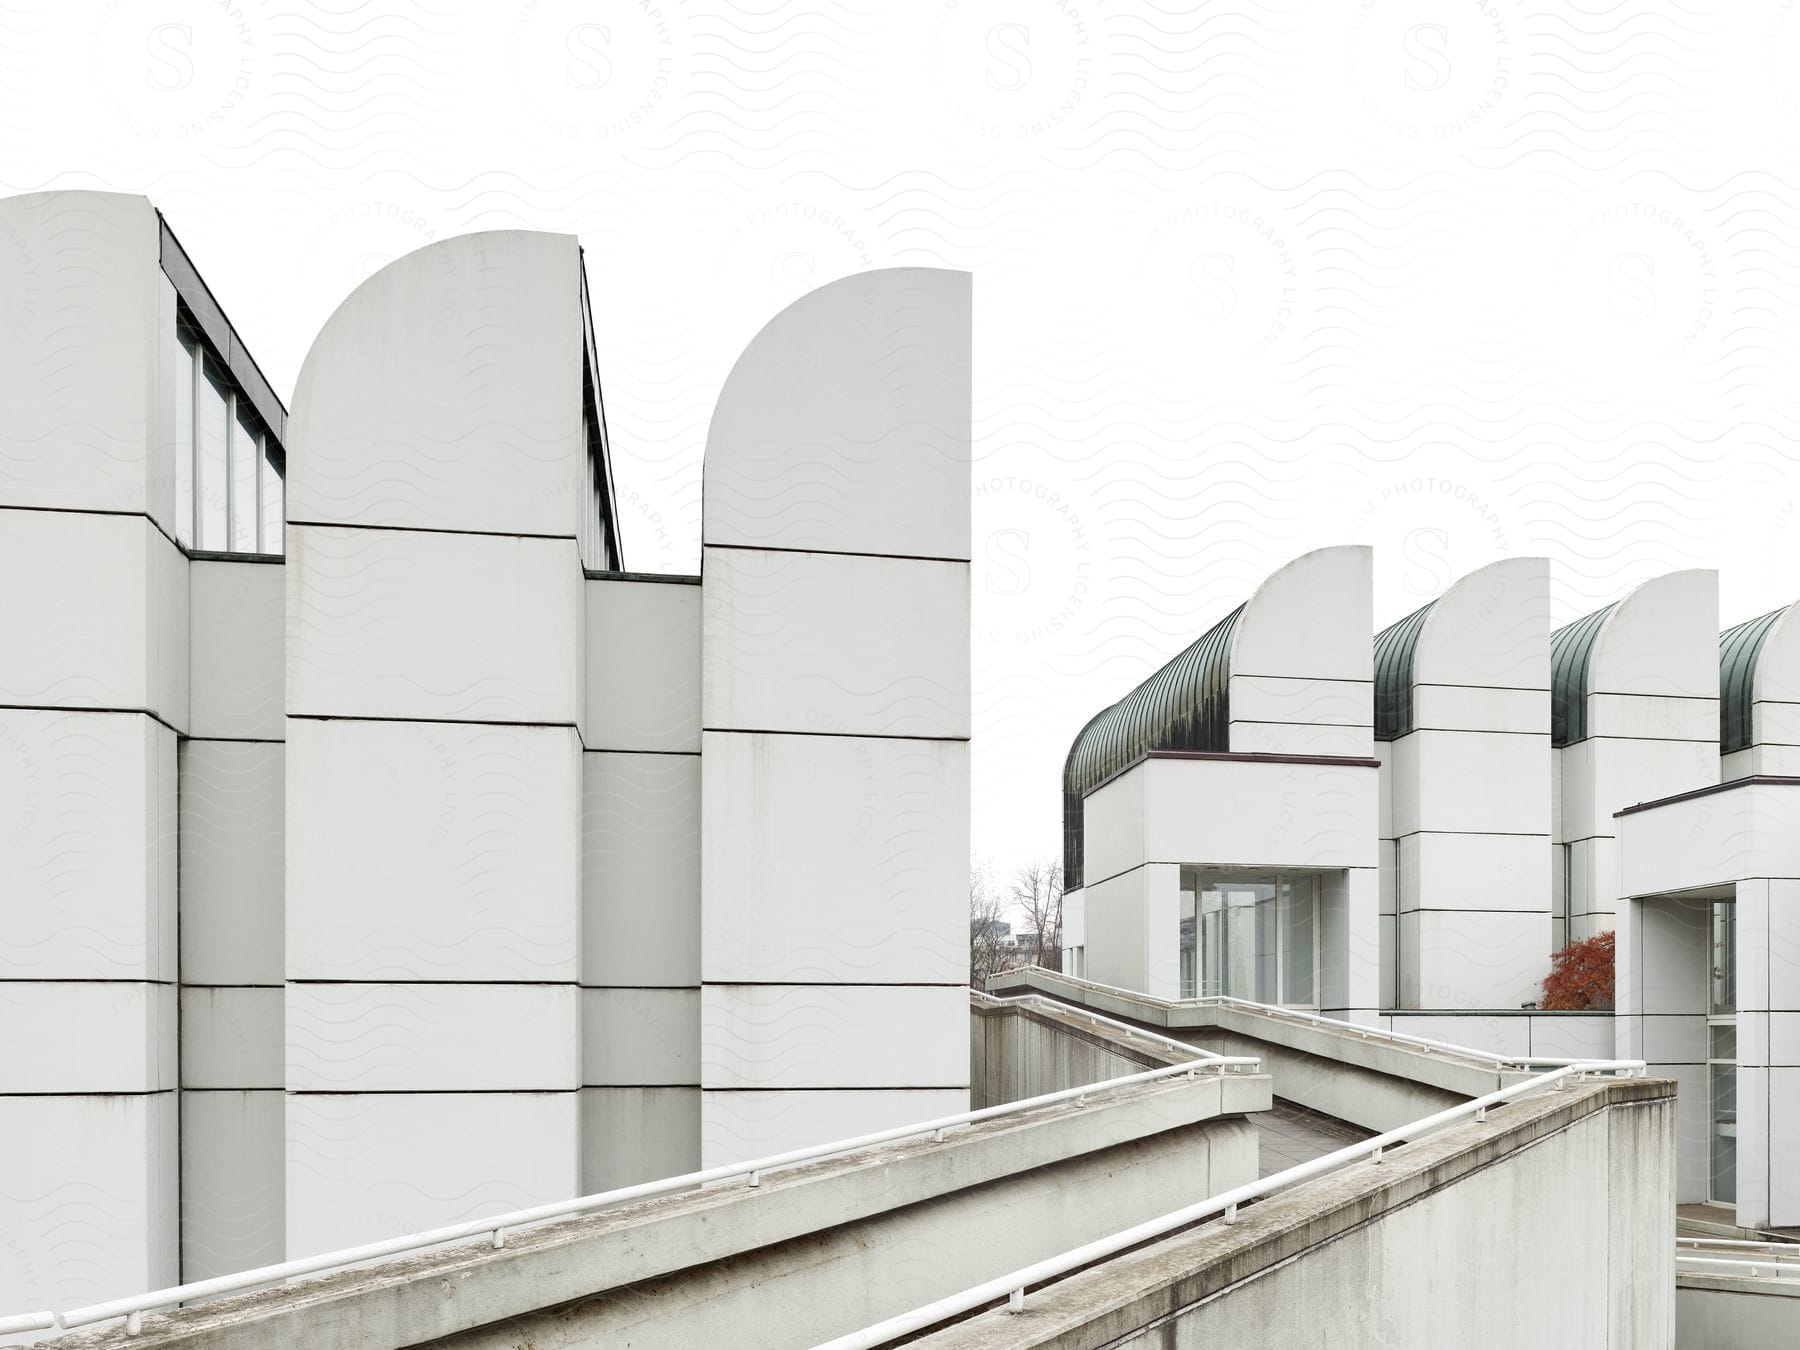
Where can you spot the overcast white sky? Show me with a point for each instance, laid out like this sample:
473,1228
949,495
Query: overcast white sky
1459,280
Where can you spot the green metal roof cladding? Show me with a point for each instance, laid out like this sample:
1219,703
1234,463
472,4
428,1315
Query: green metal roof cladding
1739,646
1571,647
1394,648
1185,705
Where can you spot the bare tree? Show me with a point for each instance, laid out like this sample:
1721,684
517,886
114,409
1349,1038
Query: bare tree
990,945
1037,889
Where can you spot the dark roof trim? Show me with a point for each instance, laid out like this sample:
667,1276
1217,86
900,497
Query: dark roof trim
1260,757
609,494
1571,651
1740,646
1395,647
1764,779
210,318
666,578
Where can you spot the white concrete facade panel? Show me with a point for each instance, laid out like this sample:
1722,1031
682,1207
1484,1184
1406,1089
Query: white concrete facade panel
1605,774
232,1195
759,1036
1475,871
417,624
1299,738
87,1197
432,851
444,393
1654,717
82,402
737,1126
366,1166
1226,813
1310,619
863,445
1472,782
835,858
1113,827
815,642
635,1134
233,830
488,1037
642,666
231,1038
1472,959
641,869
87,880
86,1036
1313,703
237,664
640,1037
1458,707
107,613
1750,830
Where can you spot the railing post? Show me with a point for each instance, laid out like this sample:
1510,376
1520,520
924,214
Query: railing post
1231,1213
1015,1301
1375,1157
134,1323
756,1178
1481,1115
499,1238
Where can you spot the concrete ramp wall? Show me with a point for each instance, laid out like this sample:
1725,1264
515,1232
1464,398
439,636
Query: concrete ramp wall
806,1253
1339,1069
1018,1051
1549,1224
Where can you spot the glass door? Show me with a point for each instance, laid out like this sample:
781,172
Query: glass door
1721,1053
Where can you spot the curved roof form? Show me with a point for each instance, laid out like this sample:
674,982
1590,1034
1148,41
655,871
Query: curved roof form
1655,641
1185,705
1571,650
1395,647
1489,630
844,427
447,391
1305,626
1740,648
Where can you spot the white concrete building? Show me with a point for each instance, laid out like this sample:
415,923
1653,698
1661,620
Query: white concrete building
1632,770
379,851
1220,820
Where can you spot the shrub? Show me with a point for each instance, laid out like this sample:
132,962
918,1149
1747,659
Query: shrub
1581,977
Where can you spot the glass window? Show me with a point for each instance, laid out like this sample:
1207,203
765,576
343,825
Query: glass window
1724,956
246,454
1297,914
1248,936
1189,937
273,503
185,357
1724,1133
214,458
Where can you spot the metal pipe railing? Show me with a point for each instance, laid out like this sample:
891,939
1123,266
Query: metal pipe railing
1508,1063
495,1229
1012,1286
1061,1009
1742,1268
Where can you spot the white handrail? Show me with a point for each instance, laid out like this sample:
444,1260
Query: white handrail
1770,1269
1012,1286
1778,1248
1057,1006
1517,1063
496,1228
38,1321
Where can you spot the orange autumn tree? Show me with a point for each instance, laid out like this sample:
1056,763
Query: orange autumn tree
1581,977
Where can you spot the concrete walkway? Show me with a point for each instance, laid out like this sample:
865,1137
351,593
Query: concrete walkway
1291,1135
